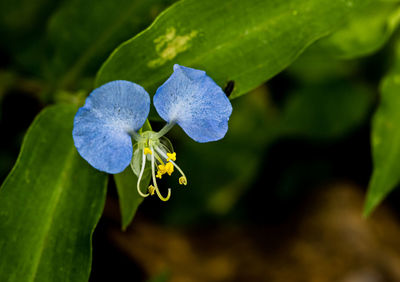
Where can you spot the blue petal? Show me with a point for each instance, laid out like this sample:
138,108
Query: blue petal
195,102
102,125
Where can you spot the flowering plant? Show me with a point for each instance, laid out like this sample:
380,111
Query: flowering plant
106,125
77,165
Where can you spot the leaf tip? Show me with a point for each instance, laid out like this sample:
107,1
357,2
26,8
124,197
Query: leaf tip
370,204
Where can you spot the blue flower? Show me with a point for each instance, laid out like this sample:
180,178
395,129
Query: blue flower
106,129
195,102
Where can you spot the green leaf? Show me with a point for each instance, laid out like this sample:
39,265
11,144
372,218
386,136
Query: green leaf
315,66
20,17
326,110
385,140
83,32
367,32
129,198
22,23
49,205
244,41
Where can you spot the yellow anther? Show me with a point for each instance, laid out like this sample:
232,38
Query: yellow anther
182,180
169,168
171,157
161,169
147,151
151,189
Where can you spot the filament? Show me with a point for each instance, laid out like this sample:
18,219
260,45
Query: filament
171,161
155,181
140,176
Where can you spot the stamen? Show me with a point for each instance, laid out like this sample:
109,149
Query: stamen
159,159
161,196
171,156
169,168
179,169
151,189
147,151
140,177
184,179
155,181
161,171
161,168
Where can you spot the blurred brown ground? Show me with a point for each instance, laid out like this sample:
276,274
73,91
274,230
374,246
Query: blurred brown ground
328,240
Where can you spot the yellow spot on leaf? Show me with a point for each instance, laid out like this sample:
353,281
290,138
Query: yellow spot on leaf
169,45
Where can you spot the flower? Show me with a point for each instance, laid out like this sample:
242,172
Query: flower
106,125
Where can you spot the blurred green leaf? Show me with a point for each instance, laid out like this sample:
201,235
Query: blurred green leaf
22,16
83,32
366,32
385,140
316,66
22,25
129,198
49,205
326,110
244,41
